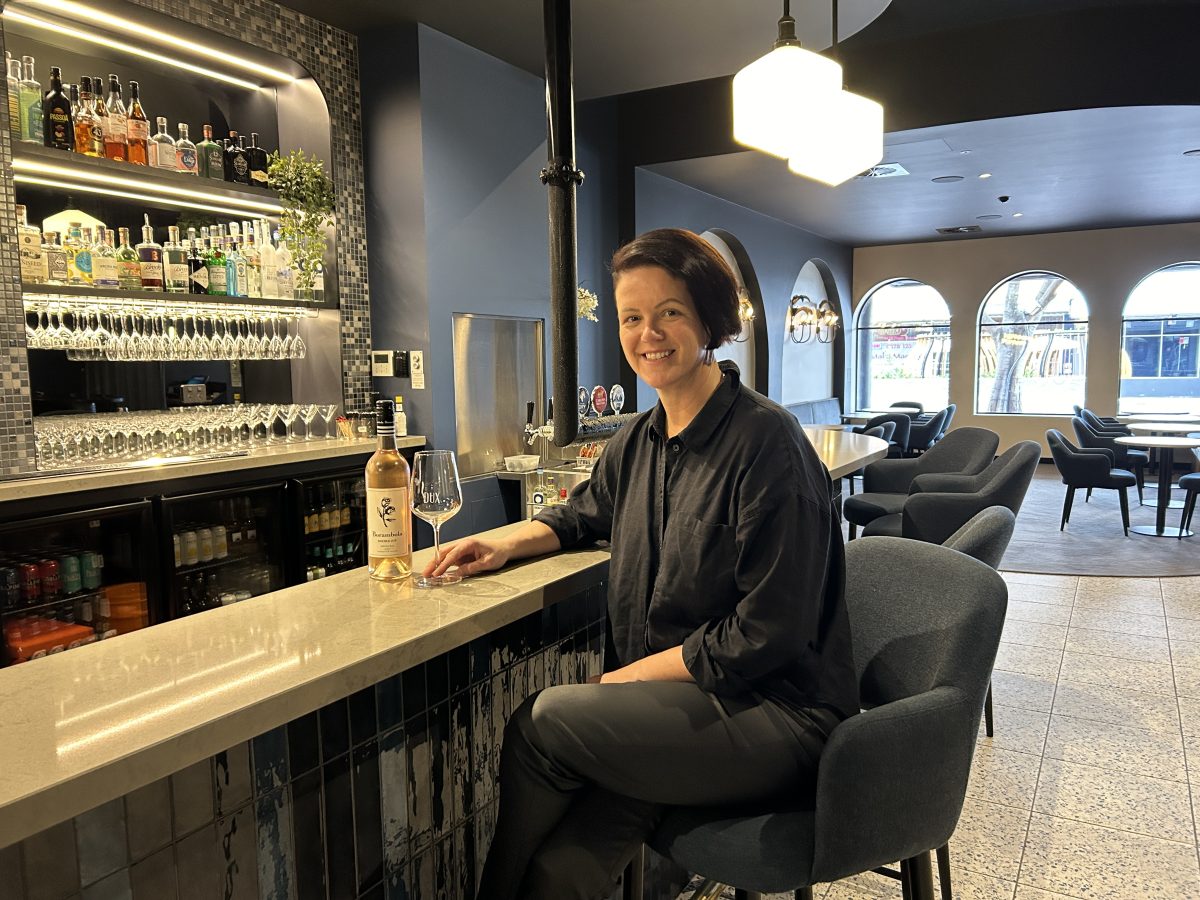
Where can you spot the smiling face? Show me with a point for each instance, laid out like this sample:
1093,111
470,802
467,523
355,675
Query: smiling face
661,332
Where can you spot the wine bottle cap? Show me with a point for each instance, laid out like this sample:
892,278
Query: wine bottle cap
385,414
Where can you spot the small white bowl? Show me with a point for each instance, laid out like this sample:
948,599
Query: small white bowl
524,463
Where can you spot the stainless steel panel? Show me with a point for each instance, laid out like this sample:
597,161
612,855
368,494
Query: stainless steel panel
318,377
498,367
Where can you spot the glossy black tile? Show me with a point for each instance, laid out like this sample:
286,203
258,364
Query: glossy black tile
480,651
389,703
239,863
51,864
114,887
276,859
335,730
231,778
307,839
461,775
395,886
148,818
375,893
337,800
368,828
101,842
154,877
192,797
464,862
550,633
533,633
364,725
420,779
414,690
422,883
483,742
439,767
270,753
443,869
537,671
198,865
393,796
304,744
11,873
437,680
459,662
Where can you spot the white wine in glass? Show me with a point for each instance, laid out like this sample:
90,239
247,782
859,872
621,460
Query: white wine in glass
436,497
389,533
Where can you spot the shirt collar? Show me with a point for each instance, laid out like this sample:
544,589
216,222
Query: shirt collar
700,430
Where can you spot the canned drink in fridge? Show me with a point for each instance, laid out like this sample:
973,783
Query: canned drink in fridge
90,565
31,584
51,582
204,543
71,574
10,589
191,548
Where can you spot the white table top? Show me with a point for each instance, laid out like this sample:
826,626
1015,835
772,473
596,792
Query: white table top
1164,427
1163,443
1160,417
844,452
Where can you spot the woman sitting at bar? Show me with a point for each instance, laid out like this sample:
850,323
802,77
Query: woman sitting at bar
725,603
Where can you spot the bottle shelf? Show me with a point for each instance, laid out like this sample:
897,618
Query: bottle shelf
320,537
34,292
255,558
62,170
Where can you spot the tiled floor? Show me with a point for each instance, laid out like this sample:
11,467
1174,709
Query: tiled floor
1090,787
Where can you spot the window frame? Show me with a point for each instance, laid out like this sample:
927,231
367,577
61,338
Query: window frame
861,356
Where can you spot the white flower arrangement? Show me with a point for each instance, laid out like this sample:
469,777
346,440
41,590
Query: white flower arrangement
586,303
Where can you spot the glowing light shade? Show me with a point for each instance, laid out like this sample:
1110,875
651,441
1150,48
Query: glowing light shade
843,137
774,97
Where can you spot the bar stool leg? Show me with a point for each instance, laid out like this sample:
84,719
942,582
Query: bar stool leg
631,882
987,712
943,864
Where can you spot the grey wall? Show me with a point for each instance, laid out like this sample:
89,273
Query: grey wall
777,250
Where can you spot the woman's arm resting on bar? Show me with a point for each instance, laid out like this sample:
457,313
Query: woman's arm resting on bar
474,555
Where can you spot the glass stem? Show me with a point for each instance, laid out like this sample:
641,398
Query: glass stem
437,540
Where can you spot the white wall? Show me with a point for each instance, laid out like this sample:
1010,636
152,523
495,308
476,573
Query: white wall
1105,265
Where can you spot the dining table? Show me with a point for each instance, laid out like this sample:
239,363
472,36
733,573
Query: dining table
844,452
1166,445
858,417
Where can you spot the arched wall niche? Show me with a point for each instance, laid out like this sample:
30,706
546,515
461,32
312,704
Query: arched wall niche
812,370
751,354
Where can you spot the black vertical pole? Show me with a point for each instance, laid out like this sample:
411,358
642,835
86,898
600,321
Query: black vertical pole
561,178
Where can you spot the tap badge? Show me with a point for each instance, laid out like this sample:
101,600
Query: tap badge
585,401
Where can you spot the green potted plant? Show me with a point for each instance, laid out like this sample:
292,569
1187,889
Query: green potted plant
306,193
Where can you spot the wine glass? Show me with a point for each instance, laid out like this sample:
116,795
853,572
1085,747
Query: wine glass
328,411
308,414
436,497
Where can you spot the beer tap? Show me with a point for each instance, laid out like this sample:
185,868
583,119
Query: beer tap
545,431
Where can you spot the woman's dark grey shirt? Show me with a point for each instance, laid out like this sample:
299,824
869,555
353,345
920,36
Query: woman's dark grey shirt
725,540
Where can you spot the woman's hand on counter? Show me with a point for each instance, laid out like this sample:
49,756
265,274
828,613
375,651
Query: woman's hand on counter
471,555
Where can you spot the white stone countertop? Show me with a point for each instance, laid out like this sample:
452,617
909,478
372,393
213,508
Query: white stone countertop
84,727
844,452
261,457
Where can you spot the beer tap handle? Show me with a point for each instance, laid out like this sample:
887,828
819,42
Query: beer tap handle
549,410
529,415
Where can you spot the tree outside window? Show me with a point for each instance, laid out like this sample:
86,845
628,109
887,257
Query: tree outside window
902,337
1032,346
1160,346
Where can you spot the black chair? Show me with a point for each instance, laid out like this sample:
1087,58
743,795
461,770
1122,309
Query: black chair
1103,426
892,780
1106,420
940,504
1124,457
924,434
901,426
1191,485
950,411
919,407
1089,467
883,431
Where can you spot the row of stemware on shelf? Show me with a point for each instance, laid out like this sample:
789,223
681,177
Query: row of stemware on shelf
72,441
144,332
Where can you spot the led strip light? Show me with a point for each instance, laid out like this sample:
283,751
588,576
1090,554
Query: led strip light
41,302
131,195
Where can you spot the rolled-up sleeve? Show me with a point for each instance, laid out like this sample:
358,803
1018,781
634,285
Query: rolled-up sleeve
588,514
781,571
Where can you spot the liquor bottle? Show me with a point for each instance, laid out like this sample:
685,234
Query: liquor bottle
212,592
30,90
185,153
100,111
256,156
237,164
233,528
344,510
249,528
401,418
389,536
29,243
324,519
79,256
104,262
162,148
57,129
116,135
250,253
215,260
56,258
187,602
287,275
137,128
150,257
175,263
129,266
210,158
12,70
85,117
235,265
268,262
197,267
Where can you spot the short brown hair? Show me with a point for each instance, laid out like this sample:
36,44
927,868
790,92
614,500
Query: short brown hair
697,264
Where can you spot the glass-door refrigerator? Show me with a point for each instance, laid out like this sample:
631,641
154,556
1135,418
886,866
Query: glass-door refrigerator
327,520
71,579
223,546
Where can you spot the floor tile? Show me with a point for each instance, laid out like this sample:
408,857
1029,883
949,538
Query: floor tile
1028,660
1037,612
968,885
1182,606
1017,729
1115,643
1144,604
989,838
1135,803
1122,749
1095,863
1189,715
1118,706
1126,623
1047,595
1034,634
1097,585
1023,691
1128,674
1004,776
1185,653
1181,590
1060,581
867,886
1183,629
1025,892
1187,680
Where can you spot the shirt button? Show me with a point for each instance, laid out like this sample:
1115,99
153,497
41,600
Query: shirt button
675,447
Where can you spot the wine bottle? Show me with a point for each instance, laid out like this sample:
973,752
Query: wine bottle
389,534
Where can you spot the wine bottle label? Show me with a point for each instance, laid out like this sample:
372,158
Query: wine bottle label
129,274
259,177
177,275
216,279
200,277
240,166
387,522
104,271
118,130
56,265
82,264
185,160
33,264
164,156
139,129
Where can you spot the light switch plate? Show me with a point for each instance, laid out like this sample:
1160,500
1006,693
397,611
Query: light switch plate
416,369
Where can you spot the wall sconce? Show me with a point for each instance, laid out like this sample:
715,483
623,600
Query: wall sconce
807,320
745,314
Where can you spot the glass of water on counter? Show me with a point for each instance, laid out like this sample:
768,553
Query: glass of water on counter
436,497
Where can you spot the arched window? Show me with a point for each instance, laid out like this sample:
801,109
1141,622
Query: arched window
1032,346
902,333
1161,336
